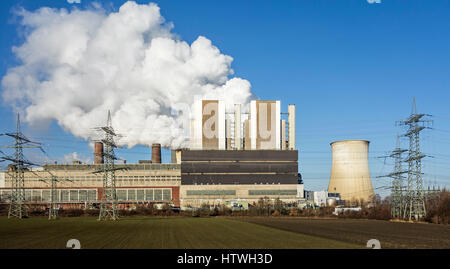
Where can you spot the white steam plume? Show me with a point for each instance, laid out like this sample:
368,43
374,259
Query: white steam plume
76,65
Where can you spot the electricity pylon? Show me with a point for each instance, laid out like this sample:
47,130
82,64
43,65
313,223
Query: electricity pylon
53,210
108,205
17,207
397,197
397,182
415,194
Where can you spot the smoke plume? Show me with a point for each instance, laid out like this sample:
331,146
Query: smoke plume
75,65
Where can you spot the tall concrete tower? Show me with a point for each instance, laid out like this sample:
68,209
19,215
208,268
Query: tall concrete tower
350,174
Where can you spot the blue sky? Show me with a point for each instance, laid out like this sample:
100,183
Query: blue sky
351,68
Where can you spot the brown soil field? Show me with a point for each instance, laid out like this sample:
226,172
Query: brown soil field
390,234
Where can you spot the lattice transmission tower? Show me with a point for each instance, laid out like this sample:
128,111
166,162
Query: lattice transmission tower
53,204
108,205
397,188
18,207
397,204
415,194
52,208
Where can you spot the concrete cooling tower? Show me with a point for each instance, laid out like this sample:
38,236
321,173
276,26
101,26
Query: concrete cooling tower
350,174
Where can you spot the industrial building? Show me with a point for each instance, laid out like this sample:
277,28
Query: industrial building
80,184
238,158
234,158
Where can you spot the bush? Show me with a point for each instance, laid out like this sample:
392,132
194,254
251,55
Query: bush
438,208
71,213
37,212
4,208
293,212
443,211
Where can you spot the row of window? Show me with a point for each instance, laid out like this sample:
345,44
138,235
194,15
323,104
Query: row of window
118,178
210,192
233,192
80,195
66,195
137,167
156,194
272,192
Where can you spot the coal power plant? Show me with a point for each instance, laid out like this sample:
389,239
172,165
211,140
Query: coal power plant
234,159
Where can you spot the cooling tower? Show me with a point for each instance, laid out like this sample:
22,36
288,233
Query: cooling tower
350,174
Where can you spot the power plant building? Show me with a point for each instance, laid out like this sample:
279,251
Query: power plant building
79,185
234,157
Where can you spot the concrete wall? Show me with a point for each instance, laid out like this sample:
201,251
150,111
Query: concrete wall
2,179
350,174
265,132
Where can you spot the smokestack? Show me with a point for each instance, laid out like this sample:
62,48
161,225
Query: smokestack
176,156
156,153
237,126
350,174
283,134
228,134
98,153
291,129
247,141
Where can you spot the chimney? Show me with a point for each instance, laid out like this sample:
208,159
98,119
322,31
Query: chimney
11,167
156,153
98,153
291,127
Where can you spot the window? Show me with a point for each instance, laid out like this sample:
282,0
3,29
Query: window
64,195
210,192
122,195
158,194
28,195
45,195
83,195
167,194
131,194
140,195
6,196
92,195
149,194
272,192
74,195
36,195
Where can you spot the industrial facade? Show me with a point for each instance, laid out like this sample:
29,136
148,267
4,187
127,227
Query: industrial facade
240,157
79,185
234,157
215,176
